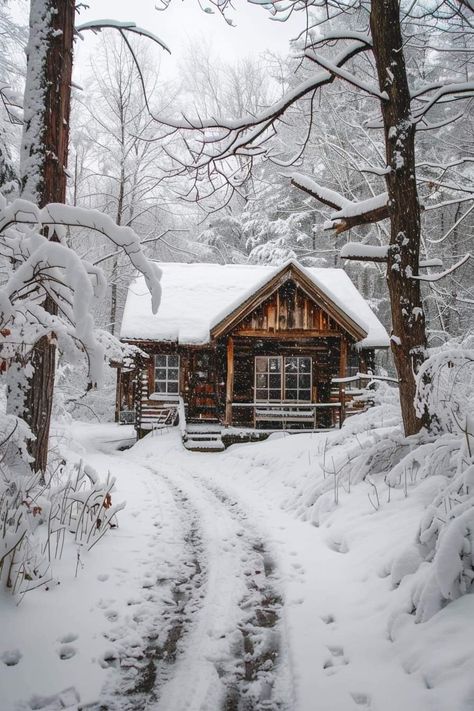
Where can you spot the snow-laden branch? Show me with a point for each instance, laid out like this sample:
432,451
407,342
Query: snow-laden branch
459,89
98,25
347,76
325,195
56,214
349,213
364,252
441,275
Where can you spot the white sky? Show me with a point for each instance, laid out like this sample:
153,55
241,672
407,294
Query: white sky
184,22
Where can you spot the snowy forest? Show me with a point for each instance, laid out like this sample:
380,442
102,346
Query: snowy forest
325,567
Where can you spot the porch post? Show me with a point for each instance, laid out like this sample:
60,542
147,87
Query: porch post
229,392
342,374
118,394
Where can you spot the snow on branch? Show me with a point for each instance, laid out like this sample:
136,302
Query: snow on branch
456,89
441,275
349,214
56,214
39,271
364,252
324,195
347,76
98,25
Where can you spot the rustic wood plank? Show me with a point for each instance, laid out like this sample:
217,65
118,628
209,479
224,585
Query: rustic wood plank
229,381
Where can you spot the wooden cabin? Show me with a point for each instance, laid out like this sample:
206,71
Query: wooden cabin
246,346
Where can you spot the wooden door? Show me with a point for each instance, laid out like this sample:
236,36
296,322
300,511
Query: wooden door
203,403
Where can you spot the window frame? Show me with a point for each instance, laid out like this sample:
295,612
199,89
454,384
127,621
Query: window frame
166,367
267,372
298,373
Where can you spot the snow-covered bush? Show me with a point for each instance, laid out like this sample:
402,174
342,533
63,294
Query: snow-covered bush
443,554
445,385
39,515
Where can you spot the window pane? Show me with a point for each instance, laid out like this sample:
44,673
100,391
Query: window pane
160,361
304,395
172,387
160,374
291,395
173,374
275,395
261,395
261,364
304,381
160,386
262,380
291,381
173,361
291,364
275,365
275,381
305,365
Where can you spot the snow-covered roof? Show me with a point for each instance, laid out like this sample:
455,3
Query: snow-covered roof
196,297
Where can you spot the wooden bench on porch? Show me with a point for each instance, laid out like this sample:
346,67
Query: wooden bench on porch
283,413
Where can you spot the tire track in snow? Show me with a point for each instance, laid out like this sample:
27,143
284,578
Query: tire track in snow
230,658
172,600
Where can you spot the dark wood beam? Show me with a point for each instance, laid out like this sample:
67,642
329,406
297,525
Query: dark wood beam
229,396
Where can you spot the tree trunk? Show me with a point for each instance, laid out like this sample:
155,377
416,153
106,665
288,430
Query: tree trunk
43,170
409,336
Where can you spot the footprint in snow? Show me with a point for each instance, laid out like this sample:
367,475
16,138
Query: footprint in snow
109,659
337,659
11,657
328,619
67,651
338,545
362,700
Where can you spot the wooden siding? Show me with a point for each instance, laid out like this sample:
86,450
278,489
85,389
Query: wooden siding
289,309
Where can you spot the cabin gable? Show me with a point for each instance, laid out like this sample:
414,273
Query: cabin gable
289,311
289,304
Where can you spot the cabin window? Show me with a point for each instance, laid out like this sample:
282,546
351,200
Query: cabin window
268,379
298,378
167,374
279,379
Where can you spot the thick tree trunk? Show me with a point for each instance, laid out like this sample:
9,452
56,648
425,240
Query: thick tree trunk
44,161
408,320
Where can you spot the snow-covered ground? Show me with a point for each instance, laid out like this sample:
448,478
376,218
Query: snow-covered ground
238,580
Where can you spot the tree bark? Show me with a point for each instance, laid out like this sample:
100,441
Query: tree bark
409,335
44,162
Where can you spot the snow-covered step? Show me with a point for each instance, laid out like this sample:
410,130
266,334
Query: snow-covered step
201,445
204,435
203,439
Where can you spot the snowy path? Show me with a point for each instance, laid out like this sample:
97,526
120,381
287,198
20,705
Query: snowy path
264,624
214,639
212,597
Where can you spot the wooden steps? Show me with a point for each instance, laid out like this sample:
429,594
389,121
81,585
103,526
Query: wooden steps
203,438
